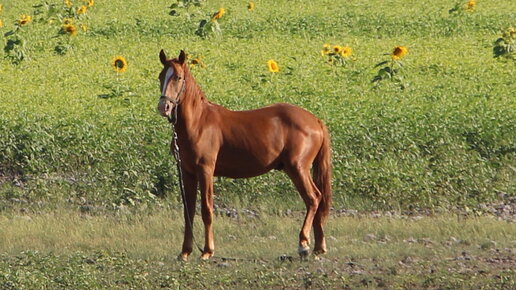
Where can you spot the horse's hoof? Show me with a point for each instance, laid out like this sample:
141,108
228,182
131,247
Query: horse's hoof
206,256
303,252
318,252
183,257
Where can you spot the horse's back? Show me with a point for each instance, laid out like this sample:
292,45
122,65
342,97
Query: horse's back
290,115
259,140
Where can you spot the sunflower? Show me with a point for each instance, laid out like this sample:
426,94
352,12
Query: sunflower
91,3
68,3
326,49
272,65
218,14
251,6
24,19
337,49
470,6
84,27
346,51
82,9
196,61
399,52
119,64
1,23
70,29
512,32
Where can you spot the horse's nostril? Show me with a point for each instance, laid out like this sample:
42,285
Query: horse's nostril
167,107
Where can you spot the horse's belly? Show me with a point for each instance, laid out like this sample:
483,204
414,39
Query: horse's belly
244,167
240,173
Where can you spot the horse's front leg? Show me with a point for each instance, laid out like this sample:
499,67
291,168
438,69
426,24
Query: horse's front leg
190,198
206,183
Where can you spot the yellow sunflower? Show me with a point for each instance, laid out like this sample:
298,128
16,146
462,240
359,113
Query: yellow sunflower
84,27
196,61
218,14
70,29
251,6
68,3
24,19
326,49
512,32
272,65
119,64
399,52
82,9
346,51
91,3
337,49
68,21
1,23
470,6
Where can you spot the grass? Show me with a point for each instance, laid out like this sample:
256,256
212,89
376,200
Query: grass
69,248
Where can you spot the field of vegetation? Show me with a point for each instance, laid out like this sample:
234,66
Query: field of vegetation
71,127
431,128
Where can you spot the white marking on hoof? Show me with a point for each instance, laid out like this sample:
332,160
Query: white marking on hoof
182,257
303,251
206,256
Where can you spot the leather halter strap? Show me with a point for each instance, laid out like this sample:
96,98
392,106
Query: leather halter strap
176,101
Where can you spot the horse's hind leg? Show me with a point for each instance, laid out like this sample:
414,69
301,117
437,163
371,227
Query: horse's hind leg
320,241
311,196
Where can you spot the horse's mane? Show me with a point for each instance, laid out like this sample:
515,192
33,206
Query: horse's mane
192,88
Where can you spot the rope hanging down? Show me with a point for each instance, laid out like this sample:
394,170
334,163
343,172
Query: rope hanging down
175,152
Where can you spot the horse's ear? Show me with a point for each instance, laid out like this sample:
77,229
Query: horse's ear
162,57
182,57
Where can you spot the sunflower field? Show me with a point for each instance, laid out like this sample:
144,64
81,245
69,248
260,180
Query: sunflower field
421,113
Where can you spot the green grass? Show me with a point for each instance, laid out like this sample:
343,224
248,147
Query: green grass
445,140
138,248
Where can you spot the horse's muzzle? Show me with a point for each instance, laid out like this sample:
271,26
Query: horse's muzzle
165,108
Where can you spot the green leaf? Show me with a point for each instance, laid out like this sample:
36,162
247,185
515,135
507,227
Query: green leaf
9,33
381,63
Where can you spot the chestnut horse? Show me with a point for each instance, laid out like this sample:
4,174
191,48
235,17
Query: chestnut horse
214,141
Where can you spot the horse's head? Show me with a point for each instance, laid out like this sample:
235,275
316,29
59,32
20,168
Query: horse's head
172,84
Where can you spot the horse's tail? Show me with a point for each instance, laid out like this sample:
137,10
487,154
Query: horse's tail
322,175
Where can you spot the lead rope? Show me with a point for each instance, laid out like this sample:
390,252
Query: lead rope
175,152
177,156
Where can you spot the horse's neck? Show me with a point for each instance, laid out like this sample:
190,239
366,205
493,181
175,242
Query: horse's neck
192,105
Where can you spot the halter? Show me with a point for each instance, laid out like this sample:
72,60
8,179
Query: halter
176,103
